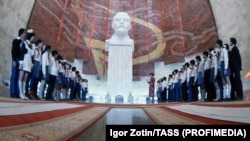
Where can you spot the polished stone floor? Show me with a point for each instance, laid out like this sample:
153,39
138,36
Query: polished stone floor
127,116
116,116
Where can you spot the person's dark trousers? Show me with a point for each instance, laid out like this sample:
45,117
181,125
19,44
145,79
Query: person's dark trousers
14,91
159,91
177,91
195,92
190,89
184,91
51,83
66,86
238,85
84,93
169,94
164,95
78,91
233,96
33,86
28,84
36,74
208,85
180,90
72,89
220,83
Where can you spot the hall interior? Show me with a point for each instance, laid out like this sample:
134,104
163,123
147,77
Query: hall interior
164,42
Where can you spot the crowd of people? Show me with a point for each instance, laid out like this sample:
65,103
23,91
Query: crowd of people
212,76
40,73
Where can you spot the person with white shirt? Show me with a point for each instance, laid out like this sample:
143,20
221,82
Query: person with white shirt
36,70
164,89
64,80
176,83
84,89
170,95
225,70
27,51
189,82
45,60
53,73
59,80
72,83
193,76
78,86
207,71
66,84
200,77
180,84
159,89
183,76
214,73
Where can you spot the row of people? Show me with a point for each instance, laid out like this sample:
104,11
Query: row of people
39,73
215,75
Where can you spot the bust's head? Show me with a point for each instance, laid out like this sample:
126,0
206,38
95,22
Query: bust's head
121,23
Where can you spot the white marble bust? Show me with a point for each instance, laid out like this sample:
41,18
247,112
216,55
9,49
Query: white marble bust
121,25
120,58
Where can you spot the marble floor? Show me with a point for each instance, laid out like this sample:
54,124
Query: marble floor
116,116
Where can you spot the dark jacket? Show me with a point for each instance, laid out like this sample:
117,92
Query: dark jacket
235,59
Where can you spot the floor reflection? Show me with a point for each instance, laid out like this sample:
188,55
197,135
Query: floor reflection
127,116
116,116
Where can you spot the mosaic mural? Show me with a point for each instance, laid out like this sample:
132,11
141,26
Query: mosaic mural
163,30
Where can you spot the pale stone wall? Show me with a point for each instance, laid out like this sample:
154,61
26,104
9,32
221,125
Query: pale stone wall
14,14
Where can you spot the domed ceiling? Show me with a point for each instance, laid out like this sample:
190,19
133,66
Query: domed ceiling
163,30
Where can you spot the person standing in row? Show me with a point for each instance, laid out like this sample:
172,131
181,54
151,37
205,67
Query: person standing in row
66,84
35,76
84,89
164,89
44,70
236,63
193,78
53,73
27,51
176,85
15,54
72,83
214,73
159,89
184,83
225,71
207,71
58,95
170,87
200,77
190,82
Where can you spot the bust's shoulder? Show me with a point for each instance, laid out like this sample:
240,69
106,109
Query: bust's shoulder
117,40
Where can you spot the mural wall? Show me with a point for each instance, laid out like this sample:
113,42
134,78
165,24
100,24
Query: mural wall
163,30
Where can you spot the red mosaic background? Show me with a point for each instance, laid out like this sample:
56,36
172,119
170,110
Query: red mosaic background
163,30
